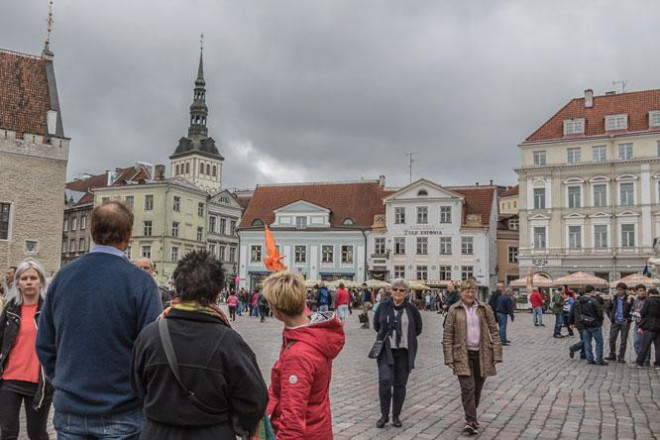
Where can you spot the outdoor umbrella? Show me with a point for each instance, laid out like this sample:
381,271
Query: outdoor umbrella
580,279
377,284
538,280
416,285
635,279
349,284
312,283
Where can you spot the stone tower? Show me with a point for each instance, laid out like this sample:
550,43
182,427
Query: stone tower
197,158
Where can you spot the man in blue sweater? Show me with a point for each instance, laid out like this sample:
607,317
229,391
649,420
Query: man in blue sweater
94,310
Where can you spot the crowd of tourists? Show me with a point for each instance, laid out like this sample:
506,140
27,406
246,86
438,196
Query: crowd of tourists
119,357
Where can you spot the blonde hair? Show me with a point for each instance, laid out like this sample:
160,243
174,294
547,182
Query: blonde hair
27,264
286,292
468,284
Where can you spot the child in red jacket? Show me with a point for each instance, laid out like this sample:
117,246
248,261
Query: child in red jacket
299,400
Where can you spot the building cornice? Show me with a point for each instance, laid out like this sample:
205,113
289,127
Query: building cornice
576,166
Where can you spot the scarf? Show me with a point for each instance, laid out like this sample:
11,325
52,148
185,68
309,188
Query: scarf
193,306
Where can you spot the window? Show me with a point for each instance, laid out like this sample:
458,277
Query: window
232,254
422,215
232,227
467,245
379,245
422,273
399,271
573,126
514,224
212,221
72,245
31,246
654,118
147,228
348,221
513,254
65,226
221,253
201,168
627,194
187,167
327,254
177,170
255,253
212,250
347,254
599,153
574,237
600,236
200,233
625,151
74,223
539,237
64,243
83,222
223,226
215,170
445,245
200,209
301,222
616,122
130,201
627,235
174,255
399,245
467,272
400,215
574,155
445,214
300,253
600,195
177,203
539,158
149,202
422,245
574,196
81,246
445,273
175,229
539,198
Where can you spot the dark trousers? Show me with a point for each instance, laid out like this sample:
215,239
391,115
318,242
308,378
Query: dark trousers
262,313
392,381
649,338
568,327
232,313
10,406
471,387
617,329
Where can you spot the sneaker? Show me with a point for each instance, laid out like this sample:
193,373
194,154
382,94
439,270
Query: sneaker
558,336
536,325
591,362
602,363
471,428
571,352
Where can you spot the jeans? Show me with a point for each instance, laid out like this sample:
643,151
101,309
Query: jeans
579,346
471,387
240,308
10,407
537,315
392,381
501,322
637,343
123,426
323,308
597,334
615,330
559,323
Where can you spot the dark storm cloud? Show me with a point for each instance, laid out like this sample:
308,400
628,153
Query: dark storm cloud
327,90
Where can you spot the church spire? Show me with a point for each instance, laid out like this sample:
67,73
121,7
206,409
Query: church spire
198,109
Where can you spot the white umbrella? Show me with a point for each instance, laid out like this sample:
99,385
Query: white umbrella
377,284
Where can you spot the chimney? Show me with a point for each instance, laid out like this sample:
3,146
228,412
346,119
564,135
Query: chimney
110,179
381,180
491,182
477,184
588,98
160,172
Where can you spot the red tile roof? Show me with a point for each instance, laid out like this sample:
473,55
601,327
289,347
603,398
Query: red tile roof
511,191
635,104
24,98
358,200
99,181
478,200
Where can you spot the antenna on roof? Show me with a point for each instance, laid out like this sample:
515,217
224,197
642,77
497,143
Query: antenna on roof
410,156
49,28
623,83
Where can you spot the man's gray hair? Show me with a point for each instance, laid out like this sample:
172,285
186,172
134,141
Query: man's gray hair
400,282
28,263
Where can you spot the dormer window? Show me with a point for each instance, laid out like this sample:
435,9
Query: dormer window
301,222
654,118
348,222
573,126
257,222
616,122
422,192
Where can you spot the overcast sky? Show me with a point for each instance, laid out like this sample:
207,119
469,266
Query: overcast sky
318,90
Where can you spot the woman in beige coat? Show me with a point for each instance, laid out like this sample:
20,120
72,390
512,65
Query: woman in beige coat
471,347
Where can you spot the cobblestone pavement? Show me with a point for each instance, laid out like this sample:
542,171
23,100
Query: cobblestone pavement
539,392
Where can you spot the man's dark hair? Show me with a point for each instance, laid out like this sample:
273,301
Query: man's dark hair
653,291
622,286
112,223
640,286
198,277
589,289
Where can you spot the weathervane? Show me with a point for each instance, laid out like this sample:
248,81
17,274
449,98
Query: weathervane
201,41
49,21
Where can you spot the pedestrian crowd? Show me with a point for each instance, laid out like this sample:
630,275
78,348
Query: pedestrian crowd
119,357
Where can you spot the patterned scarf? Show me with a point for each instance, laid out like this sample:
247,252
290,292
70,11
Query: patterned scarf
192,306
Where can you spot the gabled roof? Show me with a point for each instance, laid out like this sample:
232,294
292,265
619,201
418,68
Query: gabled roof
511,191
359,201
24,94
478,200
422,182
635,104
121,175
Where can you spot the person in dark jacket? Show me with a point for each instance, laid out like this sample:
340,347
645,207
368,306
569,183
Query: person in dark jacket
398,323
22,379
450,297
650,325
213,361
504,309
618,311
589,311
573,322
492,302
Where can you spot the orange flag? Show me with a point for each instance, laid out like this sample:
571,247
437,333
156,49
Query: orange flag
273,260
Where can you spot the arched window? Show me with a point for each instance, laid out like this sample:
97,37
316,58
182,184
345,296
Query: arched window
257,222
201,168
177,170
215,171
187,167
208,169
348,221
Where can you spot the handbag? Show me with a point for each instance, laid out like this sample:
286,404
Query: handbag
378,346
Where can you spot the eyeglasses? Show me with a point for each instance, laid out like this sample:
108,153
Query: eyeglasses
398,290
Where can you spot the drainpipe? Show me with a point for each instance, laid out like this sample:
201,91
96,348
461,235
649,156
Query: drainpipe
364,234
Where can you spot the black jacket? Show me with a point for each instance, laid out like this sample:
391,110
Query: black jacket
492,302
651,315
613,305
384,317
10,325
214,362
589,312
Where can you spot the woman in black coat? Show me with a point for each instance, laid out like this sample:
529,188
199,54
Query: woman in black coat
398,323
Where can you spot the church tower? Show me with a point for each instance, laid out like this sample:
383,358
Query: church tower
197,158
